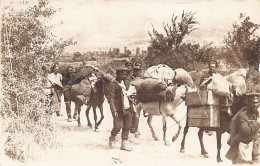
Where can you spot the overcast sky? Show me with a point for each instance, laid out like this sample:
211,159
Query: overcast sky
121,23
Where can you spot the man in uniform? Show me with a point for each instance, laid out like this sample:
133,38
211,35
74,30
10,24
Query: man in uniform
67,82
129,73
120,108
244,129
137,70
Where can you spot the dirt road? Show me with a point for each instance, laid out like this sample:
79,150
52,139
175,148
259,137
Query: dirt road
83,146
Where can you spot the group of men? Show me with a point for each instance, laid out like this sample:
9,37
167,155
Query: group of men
244,128
57,84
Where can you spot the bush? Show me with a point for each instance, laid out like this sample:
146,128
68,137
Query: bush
27,43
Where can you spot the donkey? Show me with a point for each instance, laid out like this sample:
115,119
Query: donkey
225,120
237,79
165,109
82,93
96,100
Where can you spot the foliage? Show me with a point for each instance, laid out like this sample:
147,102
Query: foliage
171,50
240,42
27,43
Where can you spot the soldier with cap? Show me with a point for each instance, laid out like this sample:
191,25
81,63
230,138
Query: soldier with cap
206,79
68,79
245,129
137,71
129,73
120,107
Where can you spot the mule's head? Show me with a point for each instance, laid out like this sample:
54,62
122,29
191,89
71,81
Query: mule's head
179,91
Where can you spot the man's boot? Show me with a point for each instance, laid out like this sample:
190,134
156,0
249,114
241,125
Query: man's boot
111,141
124,146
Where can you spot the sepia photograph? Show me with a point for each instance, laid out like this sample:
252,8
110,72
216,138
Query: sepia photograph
130,82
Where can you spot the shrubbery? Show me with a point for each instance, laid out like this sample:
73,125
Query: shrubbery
27,43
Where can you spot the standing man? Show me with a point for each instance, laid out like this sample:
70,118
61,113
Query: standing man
129,73
67,82
120,108
244,129
137,70
47,87
56,90
207,78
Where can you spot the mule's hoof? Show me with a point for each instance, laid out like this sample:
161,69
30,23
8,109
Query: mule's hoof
205,155
156,138
167,143
182,150
137,135
174,138
219,160
79,125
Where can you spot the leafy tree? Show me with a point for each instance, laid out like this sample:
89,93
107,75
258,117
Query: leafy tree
27,43
170,49
240,42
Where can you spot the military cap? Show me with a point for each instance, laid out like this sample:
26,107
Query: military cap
253,97
213,62
128,64
121,69
137,68
138,64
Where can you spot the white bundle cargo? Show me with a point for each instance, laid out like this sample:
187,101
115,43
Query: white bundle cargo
161,72
219,85
183,77
238,80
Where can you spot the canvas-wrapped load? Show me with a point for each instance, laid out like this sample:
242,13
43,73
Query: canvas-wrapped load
219,85
79,89
150,89
182,77
238,81
161,72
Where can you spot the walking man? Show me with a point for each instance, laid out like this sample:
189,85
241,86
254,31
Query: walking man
56,90
120,108
67,82
244,129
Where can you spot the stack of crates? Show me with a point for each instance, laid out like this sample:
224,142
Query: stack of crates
203,109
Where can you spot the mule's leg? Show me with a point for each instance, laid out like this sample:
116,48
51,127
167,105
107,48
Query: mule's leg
149,120
219,134
179,129
95,116
102,115
78,109
203,151
185,131
87,115
164,130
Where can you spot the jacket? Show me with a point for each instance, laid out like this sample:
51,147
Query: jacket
115,98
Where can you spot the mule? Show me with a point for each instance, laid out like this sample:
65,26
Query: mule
96,100
225,120
82,92
237,79
164,109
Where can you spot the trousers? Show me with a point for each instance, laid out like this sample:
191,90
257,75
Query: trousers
123,121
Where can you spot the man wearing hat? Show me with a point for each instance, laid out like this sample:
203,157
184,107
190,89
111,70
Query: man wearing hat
245,129
206,79
120,107
137,70
129,73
